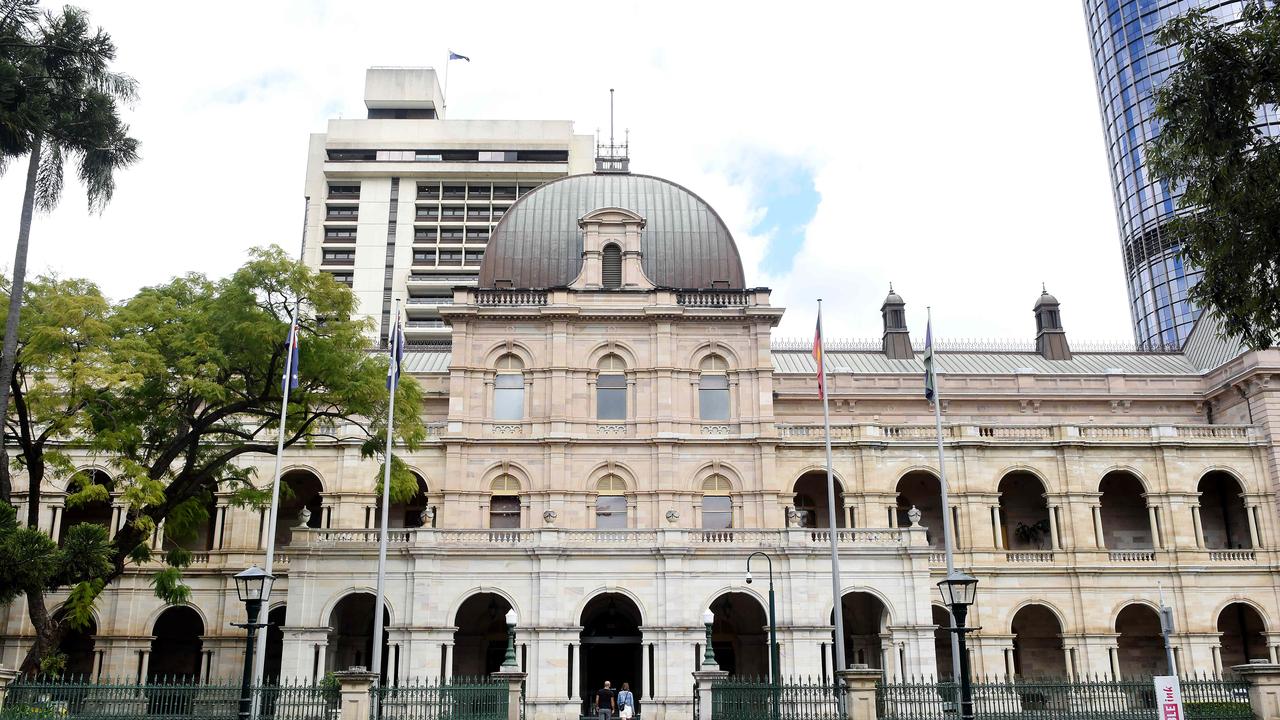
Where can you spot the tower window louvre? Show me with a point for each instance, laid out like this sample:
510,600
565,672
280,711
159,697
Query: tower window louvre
611,266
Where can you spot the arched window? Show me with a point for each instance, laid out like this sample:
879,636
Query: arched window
717,506
611,266
713,389
504,503
508,389
611,503
611,389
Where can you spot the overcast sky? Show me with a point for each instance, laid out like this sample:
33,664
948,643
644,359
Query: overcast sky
954,149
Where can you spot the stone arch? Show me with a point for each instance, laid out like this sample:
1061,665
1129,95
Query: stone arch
714,347
308,468
612,347
479,590
621,470
922,490
1236,475
739,632
332,603
617,590
866,618
513,347
177,647
1141,645
351,630
94,512
406,514
1024,510
1242,632
480,633
1224,514
611,641
1131,470
305,491
506,467
155,614
809,497
87,468
717,467
1029,470
1126,523
1038,650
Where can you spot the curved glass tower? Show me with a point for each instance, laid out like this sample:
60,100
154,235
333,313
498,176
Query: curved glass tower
1129,66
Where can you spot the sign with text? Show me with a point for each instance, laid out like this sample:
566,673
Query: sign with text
1169,697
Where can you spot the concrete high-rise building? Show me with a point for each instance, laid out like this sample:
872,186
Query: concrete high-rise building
1130,65
400,204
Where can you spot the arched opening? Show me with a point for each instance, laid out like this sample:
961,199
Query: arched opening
504,503
1024,512
411,514
713,389
942,642
611,266
196,533
920,489
275,643
350,641
508,388
480,641
611,503
1126,525
1037,644
611,647
300,491
611,388
717,503
740,635
1222,513
77,649
176,647
811,500
866,629
1141,646
1242,635
95,512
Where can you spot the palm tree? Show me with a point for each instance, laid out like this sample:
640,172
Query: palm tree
59,102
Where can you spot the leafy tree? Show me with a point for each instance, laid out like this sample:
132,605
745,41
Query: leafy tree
59,101
1211,145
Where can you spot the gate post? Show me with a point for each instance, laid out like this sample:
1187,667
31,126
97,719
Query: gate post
1264,688
859,687
6,677
705,679
354,686
514,680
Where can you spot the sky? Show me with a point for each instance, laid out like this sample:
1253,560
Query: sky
952,149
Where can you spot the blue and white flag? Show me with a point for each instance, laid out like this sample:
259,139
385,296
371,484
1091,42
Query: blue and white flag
930,379
455,56
291,377
397,355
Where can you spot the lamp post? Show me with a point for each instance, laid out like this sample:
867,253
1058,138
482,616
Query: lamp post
958,590
252,586
709,655
509,663
776,674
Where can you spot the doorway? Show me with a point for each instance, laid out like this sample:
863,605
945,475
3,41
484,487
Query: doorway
611,648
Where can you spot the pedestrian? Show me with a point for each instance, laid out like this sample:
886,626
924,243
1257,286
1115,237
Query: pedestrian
626,702
606,702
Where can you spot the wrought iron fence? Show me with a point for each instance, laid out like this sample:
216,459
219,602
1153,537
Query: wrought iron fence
459,698
794,699
162,699
1203,699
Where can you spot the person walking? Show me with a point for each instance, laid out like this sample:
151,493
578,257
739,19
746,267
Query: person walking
626,702
606,702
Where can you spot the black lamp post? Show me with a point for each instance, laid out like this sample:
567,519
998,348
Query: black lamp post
509,663
776,674
708,655
252,586
958,591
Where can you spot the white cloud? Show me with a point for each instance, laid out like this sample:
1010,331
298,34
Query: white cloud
956,146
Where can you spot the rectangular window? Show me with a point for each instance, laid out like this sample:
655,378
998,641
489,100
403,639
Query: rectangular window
344,191
429,192
474,256
340,257
717,512
508,397
342,211
424,234
611,397
340,234
450,233
345,278
396,155
451,257
611,512
475,235
713,397
504,512
455,192
424,257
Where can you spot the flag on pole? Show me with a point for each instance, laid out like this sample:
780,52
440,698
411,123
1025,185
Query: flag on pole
292,378
397,355
455,56
930,379
817,356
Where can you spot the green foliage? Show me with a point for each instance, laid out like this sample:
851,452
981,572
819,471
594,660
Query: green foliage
404,484
1216,710
78,609
1229,224
86,551
28,557
1032,533
169,586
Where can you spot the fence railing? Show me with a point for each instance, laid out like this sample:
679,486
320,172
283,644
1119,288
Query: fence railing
797,699
1203,699
458,698
162,700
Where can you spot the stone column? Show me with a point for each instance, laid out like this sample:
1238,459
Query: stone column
1251,512
1197,527
996,536
514,681
146,664
1157,541
219,515
1100,540
704,679
1264,688
859,683
55,530
1053,528
354,687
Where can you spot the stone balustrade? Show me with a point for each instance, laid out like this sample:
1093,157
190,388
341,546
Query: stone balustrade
870,432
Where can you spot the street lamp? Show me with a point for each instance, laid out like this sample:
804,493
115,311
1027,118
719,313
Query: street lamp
776,675
252,585
958,590
709,655
509,663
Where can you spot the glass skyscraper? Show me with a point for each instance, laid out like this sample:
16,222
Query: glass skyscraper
1130,65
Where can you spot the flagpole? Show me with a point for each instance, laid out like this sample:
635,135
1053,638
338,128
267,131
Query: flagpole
393,376
838,607
948,546
444,114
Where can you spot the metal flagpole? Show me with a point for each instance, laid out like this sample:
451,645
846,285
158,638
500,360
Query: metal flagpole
444,114
393,378
837,607
948,547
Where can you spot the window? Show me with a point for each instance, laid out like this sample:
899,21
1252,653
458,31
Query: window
611,503
340,257
346,278
450,233
342,211
508,389
713,389
504,503
424,257
450,257
611,266
344,191
474,257
611,389
396,155
717,506
339,234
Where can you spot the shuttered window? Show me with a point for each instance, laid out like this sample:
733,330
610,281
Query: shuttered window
611,266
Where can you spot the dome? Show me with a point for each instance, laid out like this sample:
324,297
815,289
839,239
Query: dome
1045,299
684,244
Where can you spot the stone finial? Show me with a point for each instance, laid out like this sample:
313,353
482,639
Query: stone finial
897,339
304,517
1051,339
793,517
914,516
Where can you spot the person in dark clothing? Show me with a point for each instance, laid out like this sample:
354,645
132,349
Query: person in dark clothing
606,701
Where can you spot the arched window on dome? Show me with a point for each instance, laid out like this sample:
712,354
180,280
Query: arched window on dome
611,266
611,389
611,503
717,505
508,389
713,389
504,503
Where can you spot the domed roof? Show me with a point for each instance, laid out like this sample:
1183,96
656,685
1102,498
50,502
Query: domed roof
538,243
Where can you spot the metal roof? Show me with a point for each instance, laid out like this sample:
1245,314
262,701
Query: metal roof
684,244
989,363
426,361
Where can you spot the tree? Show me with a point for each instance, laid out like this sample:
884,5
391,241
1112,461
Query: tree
59,101
1211,145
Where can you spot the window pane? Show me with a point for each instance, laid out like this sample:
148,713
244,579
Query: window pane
611,397
611,512
717,512
713,403
504,512
508,403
